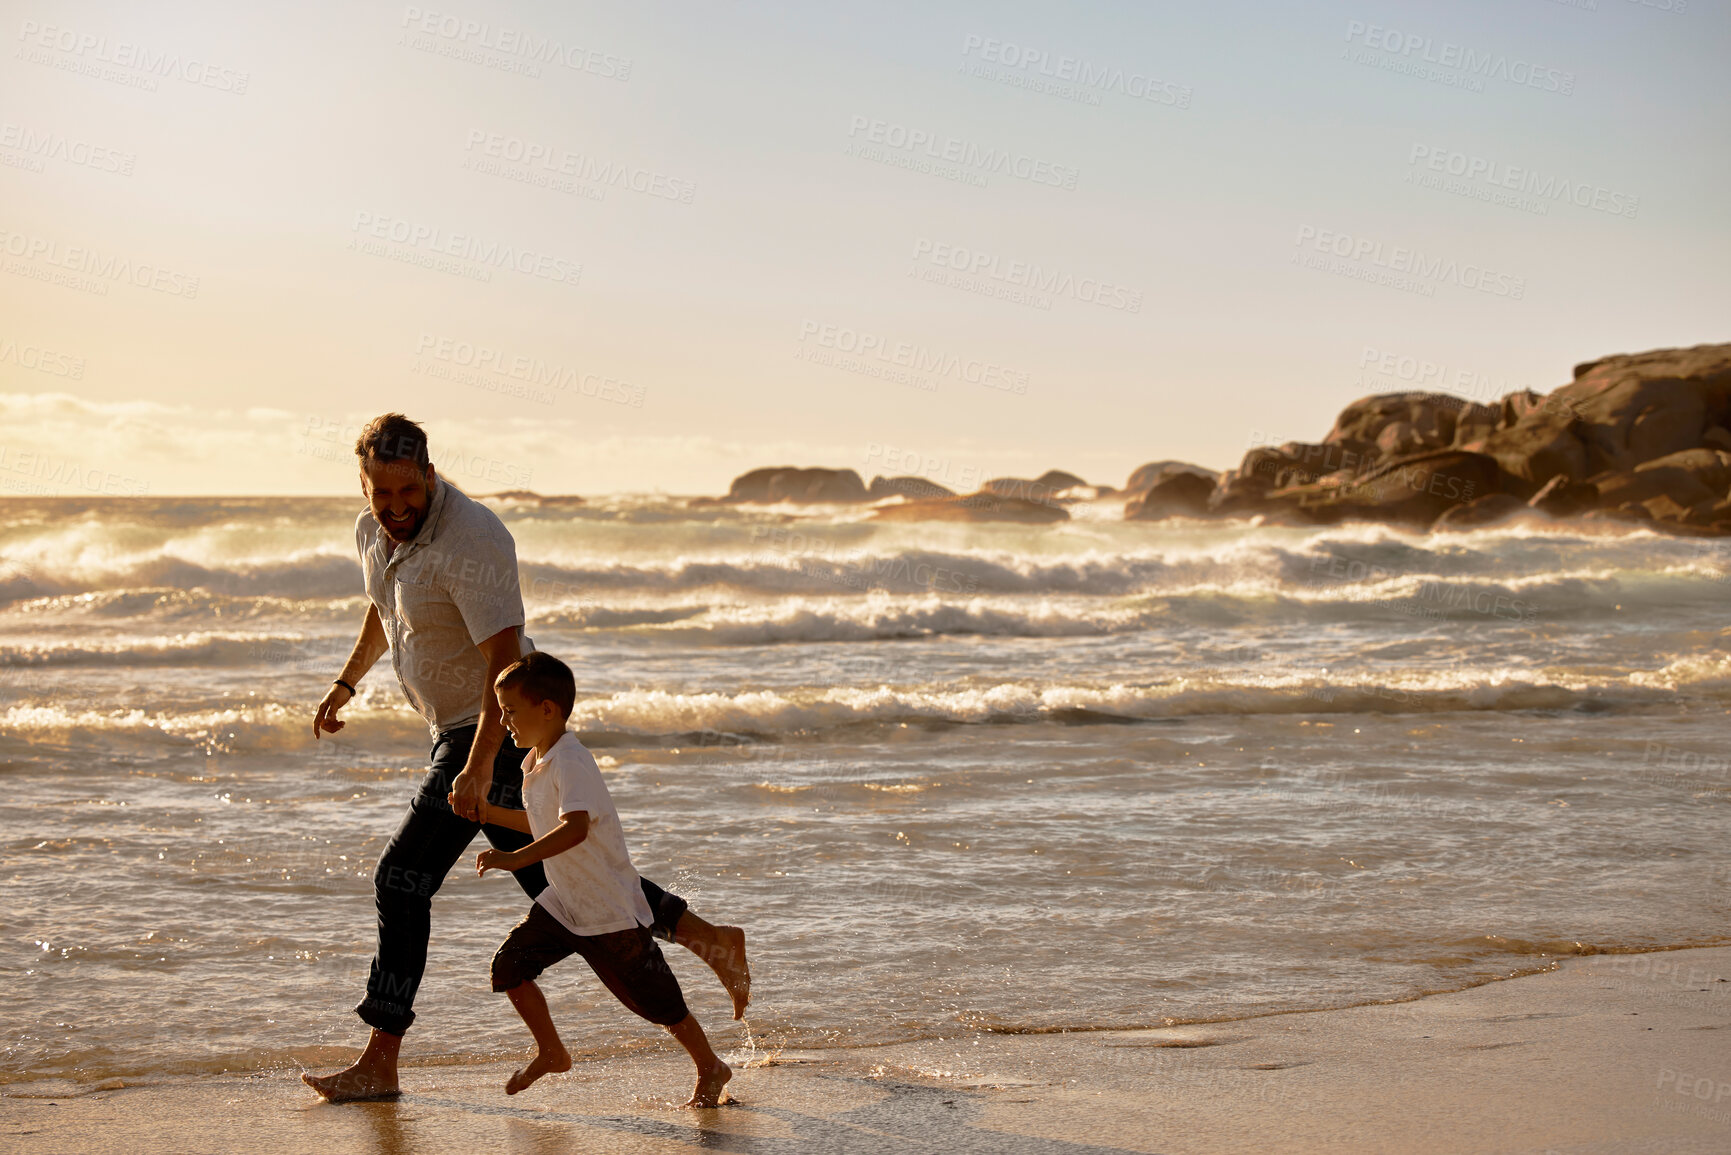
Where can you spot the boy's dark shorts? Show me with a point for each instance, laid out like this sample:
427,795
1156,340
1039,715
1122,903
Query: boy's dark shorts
627,962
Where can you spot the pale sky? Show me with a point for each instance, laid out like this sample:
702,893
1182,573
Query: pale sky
608,247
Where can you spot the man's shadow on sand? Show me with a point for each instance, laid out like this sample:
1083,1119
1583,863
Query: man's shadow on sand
910,1118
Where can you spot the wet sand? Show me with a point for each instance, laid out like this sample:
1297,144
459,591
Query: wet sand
1612,1053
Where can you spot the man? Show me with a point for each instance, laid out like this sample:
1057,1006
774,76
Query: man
441,577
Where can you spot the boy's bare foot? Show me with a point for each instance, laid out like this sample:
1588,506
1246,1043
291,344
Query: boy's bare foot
709,1085
727,959
544,1063
356,1084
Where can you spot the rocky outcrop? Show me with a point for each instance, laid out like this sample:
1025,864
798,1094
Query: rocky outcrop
1048,488
981,506
786,483
1178,494
1145,477
530,497
914,487
1642,438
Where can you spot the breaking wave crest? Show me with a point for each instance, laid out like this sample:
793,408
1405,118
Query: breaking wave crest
658,716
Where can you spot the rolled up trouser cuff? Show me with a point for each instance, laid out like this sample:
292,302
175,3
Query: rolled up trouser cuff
667,908
391,1018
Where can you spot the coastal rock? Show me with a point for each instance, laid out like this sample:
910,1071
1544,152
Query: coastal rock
787,483
1560,497
1633,408
530,497
1711,467
914,487
1539,445
1638,487
1145,477
1418,490
1642,436
980,506
1412,491
1058,479
1044,488
1180,494
1404,424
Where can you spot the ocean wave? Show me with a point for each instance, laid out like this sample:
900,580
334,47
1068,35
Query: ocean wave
201,649
560,563
879,618
151,627
660,717
271,726
308,575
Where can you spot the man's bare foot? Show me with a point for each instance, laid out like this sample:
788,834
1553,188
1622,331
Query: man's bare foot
727,959
710,1083
356,1084
544,1063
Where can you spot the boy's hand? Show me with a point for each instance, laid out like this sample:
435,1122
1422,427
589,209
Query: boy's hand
468,795
480,816
494,860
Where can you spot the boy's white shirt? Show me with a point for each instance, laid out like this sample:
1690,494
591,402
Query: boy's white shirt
591,888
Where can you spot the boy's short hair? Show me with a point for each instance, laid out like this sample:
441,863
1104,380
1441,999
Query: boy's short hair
540,677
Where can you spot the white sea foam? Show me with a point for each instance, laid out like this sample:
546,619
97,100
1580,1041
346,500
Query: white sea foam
655,714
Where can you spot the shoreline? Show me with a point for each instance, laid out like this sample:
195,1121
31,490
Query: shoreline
1602,1052
318,1057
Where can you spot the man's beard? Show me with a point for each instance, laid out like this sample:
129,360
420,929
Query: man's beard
407,534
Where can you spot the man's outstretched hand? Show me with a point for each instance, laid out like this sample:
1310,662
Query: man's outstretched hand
326,719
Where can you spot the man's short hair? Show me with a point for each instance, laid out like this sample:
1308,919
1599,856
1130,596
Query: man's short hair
540,677
392,437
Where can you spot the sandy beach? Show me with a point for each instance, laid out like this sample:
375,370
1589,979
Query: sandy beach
1609,1053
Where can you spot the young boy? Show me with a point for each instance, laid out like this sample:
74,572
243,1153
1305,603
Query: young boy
593,904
